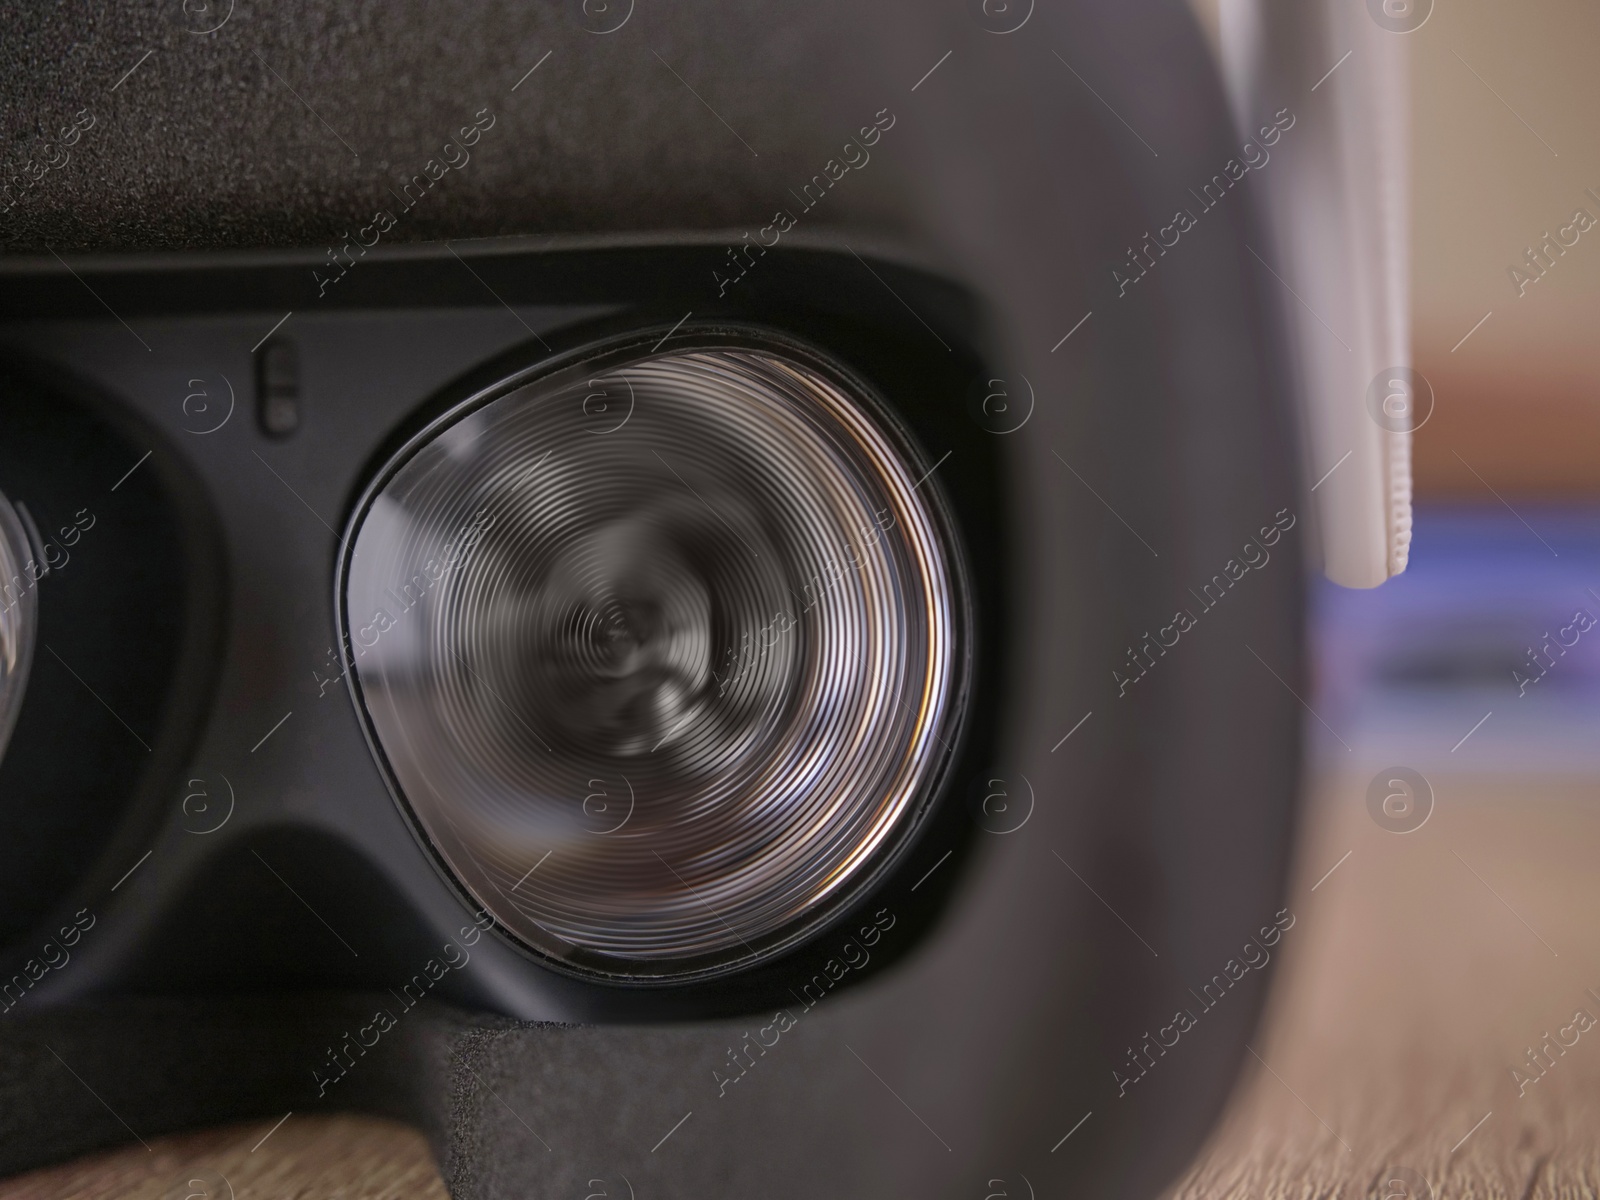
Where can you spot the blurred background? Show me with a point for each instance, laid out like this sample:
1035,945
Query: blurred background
1425,965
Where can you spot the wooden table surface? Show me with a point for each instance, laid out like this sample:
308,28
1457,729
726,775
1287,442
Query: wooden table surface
306,1158
1428,965
1431,962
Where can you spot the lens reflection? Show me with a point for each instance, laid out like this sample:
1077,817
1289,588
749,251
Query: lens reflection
659,657
18,617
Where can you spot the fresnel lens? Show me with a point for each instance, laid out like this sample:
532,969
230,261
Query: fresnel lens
664,656
19,572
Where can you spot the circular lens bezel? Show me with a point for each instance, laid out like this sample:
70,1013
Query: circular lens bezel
608,354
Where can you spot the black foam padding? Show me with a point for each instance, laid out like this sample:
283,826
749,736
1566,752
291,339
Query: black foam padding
1005,167
88,1077
292,125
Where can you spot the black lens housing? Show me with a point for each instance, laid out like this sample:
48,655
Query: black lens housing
318,811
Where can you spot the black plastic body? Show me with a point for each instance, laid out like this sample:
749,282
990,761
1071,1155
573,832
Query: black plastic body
358,899
1023,160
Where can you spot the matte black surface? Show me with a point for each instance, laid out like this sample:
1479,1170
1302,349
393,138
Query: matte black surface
128,613
1159,442
214,916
